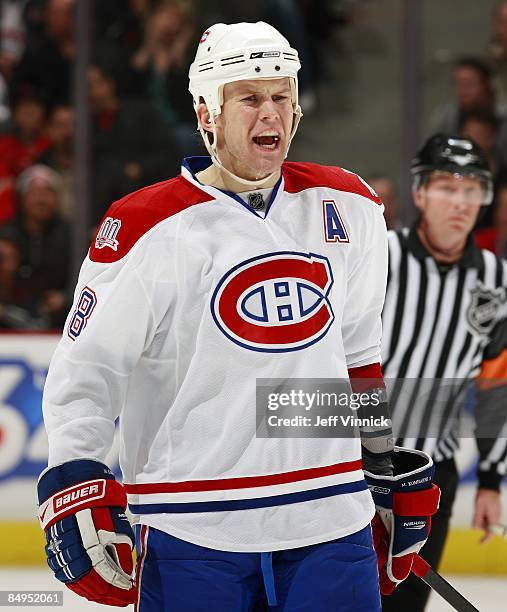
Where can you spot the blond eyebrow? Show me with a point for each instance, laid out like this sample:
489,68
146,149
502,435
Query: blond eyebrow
249,90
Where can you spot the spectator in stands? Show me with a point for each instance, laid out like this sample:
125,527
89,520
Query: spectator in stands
5,111
473,92
17,311
159,69
43,238
386,190
46,63
483,128
118,30
7,194
131,146
12,45
498,52
12,28
21,146
34,16
60,155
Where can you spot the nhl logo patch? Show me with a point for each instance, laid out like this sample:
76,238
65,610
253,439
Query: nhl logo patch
482,313
256,200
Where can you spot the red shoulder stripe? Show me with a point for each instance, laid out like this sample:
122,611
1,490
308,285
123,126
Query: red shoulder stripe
128,219
299,176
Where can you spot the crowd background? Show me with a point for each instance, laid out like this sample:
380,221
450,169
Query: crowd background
142,121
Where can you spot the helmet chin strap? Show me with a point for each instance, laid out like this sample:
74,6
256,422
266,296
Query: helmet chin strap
212,150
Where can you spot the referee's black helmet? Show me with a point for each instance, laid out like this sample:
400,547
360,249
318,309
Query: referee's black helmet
455,155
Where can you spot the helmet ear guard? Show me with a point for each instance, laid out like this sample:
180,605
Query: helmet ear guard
237,52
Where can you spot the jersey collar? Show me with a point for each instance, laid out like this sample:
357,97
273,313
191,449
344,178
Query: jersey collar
192,165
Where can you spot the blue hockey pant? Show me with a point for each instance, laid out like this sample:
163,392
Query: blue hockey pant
177,576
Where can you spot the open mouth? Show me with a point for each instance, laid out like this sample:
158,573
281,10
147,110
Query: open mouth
270,142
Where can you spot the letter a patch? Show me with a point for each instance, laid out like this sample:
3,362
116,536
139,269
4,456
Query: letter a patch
334,228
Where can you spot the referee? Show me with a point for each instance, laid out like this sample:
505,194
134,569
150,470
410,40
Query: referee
444,314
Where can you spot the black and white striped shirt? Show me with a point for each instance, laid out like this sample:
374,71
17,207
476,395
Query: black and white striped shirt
439,324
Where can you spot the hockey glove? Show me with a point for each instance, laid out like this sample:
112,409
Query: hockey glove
89,538
405,503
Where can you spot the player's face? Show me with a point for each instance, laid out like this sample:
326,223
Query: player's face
254,127
449,205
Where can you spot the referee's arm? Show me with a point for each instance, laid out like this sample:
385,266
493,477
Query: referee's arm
491,430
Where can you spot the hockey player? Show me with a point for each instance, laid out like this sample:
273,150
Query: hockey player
242,267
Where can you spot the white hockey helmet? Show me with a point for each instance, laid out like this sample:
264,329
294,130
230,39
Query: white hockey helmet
237,52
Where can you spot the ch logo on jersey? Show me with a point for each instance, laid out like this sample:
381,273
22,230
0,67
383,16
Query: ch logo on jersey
334,228
483,311
275,303
106,236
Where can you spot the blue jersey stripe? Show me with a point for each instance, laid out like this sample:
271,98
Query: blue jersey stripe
249,504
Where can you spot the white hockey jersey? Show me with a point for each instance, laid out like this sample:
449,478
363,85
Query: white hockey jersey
186,297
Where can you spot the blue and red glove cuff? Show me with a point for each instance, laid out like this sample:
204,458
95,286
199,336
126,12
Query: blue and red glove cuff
66,474
413,471
84,483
